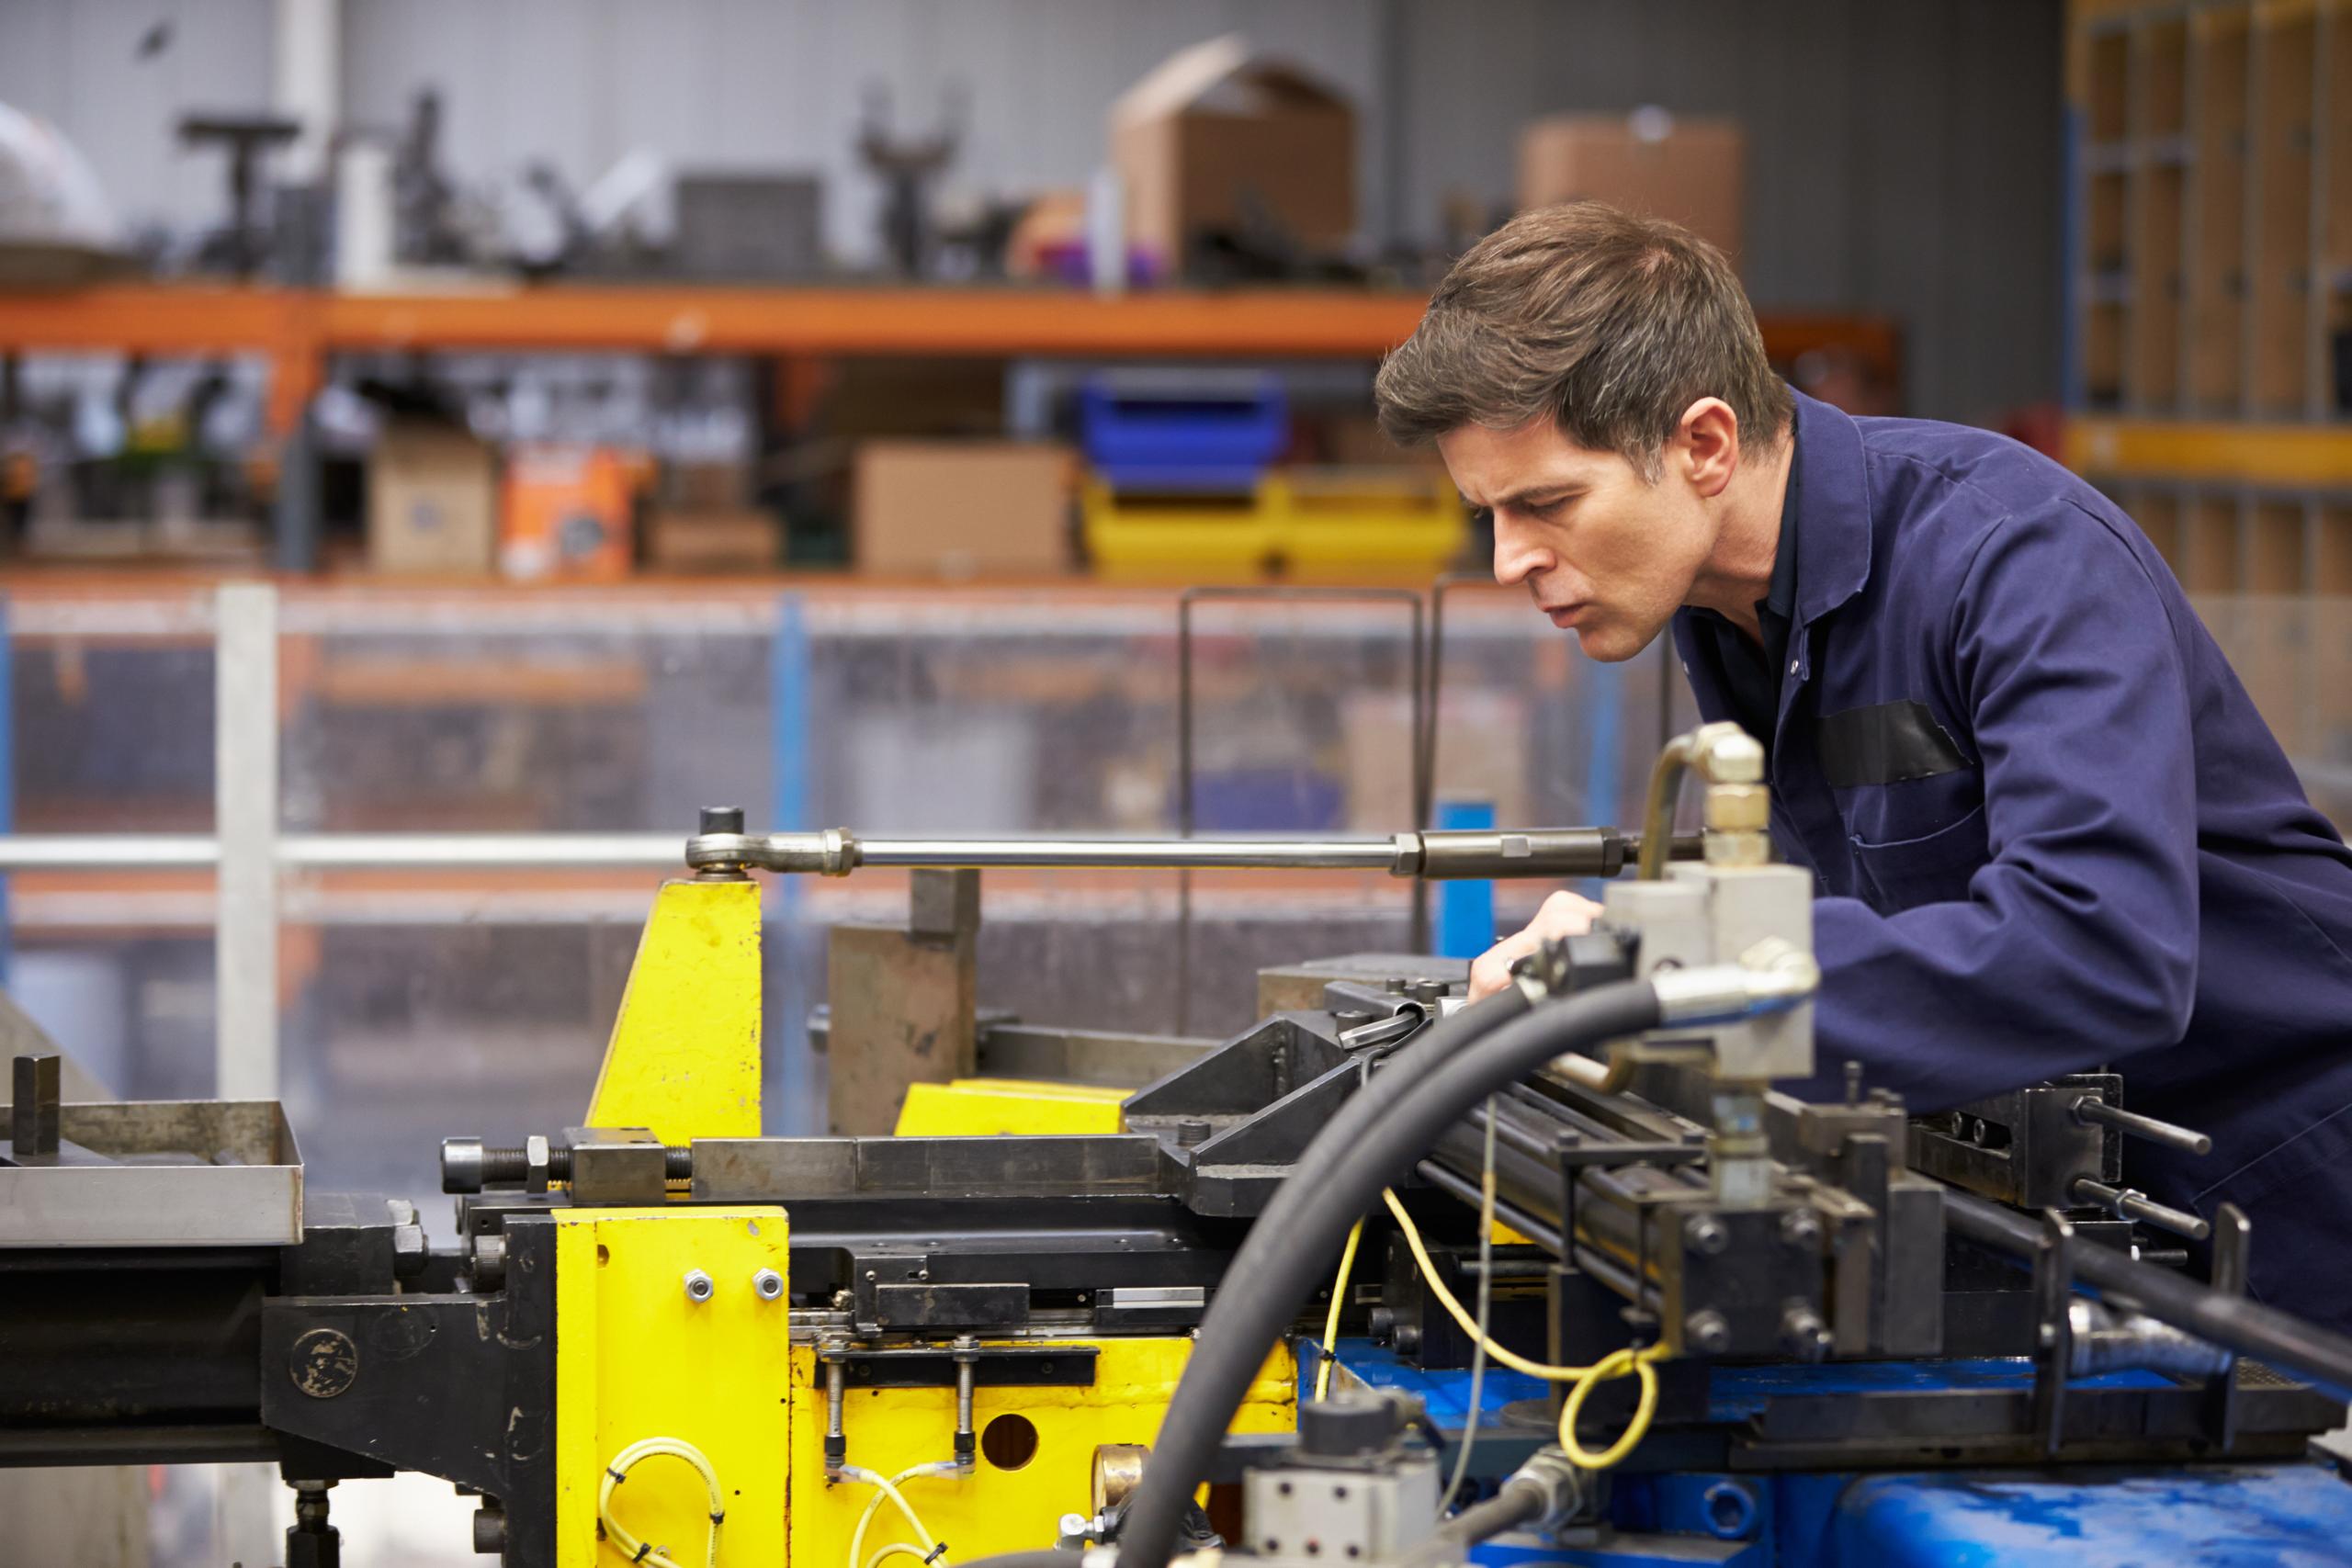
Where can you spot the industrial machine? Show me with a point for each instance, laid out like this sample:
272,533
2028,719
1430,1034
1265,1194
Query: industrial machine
1391,1278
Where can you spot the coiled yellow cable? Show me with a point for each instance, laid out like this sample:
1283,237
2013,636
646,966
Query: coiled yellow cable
1616,1364
629,1547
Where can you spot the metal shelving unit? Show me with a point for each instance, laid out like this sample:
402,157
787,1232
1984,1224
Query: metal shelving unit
2210,299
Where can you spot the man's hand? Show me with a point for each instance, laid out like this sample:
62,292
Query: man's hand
1563,914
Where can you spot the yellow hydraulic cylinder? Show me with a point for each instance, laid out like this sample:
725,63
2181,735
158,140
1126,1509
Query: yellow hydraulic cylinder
685,1056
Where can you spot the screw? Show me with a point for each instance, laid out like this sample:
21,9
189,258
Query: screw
767,1284
722,819
1191,1132
698,1285
1799,1227
1706,1332
1803,1335
1706,1234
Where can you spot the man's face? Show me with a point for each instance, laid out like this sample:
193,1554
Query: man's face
1601,550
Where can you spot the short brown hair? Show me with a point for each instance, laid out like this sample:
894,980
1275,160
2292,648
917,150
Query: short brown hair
1612,324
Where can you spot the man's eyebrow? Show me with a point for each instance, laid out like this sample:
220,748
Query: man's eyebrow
1559,489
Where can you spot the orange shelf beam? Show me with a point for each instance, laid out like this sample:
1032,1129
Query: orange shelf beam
299,329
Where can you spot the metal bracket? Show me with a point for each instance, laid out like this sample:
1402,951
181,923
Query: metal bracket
999,1366
2053,1278
2232,1244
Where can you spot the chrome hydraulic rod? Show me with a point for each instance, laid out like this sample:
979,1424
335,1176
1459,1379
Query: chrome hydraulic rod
1432,856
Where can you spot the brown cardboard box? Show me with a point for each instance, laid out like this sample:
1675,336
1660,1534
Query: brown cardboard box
962,508
710,540
1649,161
431,502
1209,124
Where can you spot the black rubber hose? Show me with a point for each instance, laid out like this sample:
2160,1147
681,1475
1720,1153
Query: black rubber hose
1335,1182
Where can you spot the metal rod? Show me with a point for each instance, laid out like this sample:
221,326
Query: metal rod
2126,1204
1356,854
193,852
245,811
2246,1326
2132,1124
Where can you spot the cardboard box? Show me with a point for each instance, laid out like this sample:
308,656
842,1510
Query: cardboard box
1213,132
736,540
962,508
431,502
1650,161
567,514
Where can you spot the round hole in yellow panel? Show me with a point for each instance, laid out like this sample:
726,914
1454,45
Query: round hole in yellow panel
1009,1441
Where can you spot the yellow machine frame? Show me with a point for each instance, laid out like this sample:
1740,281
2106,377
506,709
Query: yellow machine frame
638,1356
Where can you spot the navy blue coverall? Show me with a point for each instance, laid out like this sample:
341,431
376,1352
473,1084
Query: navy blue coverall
2049,830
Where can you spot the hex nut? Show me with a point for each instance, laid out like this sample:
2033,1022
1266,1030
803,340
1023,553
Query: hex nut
534,1163
698,1285
1706,1332
1800,1227
767,1284
1739,808
1706,1234
488,1266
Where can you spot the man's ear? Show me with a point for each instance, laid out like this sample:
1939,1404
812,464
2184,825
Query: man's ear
1705,447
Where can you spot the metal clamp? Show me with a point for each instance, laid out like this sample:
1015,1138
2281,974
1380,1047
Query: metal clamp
2053,1278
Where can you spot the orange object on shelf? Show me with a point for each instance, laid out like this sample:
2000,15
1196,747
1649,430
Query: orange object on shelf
567,516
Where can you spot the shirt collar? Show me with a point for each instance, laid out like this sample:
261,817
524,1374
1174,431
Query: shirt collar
1781,595
1832,526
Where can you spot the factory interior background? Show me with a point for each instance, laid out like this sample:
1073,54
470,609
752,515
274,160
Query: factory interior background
548,419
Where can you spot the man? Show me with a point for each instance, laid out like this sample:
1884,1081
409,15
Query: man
2050,830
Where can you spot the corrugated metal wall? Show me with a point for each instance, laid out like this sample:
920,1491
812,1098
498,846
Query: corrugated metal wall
1902,157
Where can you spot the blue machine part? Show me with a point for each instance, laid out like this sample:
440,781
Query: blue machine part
2078,1516
1465,910
1183,430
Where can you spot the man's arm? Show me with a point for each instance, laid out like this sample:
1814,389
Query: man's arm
2077,943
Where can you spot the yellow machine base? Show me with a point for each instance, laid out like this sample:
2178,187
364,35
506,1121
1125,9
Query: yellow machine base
1036,1448
636,1357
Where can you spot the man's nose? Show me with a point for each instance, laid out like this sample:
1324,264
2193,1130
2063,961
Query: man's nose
1518,554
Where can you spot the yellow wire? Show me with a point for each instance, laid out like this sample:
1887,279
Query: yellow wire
1616,1364
618,1537
1331,1320
892,1550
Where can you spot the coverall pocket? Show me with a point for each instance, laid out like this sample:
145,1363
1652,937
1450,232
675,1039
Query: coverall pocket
1934,869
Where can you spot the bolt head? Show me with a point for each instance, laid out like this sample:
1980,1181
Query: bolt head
721,820
1800,1227
461,1165
767,1284
1706,1234
1707,1333
698,1285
